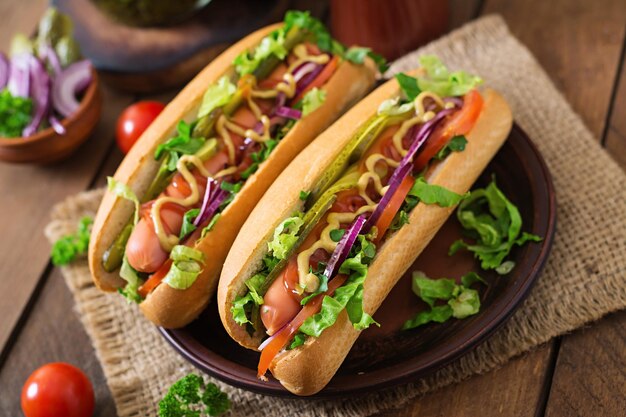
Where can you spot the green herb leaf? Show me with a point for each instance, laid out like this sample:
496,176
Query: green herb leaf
217,95
298,340
312,101
182,144
230,187
456,144
15,114
70,247
190,396
337,234
304,195
210,226
408,85
188,220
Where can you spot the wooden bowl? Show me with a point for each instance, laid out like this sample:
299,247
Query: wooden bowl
47,145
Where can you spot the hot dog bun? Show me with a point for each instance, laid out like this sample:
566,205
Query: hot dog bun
173,308
307,369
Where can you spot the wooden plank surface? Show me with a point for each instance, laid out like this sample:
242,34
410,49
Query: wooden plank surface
590,374
615,139
513,390
29,193
53,333
578,43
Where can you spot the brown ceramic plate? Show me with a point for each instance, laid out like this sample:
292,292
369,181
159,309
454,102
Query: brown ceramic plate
385,356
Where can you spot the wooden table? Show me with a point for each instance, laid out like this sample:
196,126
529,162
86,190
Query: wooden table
581,45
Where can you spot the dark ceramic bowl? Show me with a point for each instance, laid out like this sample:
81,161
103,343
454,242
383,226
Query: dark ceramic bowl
384,357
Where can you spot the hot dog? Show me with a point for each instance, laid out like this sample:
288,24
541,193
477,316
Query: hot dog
344,221
179,197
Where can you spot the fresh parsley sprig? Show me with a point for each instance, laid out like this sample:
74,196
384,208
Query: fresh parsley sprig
70,247
190,396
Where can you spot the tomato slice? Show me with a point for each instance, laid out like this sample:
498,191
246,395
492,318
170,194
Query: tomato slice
321,79
155,279
460,123
284,336
385,219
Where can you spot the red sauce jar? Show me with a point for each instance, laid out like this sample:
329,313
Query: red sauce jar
391,27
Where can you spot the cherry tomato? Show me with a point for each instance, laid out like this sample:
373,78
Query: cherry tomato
57,390
134,120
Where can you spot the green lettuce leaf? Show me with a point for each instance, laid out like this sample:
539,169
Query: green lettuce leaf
298,340
435,194
442,82
243,305
186,266
285,236
133,282
495,224
349,296
124,191
461,301
216,96
273,44
456,144
312,101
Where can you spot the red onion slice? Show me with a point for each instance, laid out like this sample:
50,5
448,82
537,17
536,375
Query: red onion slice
67,84
19,76
217,199
342,249
303,70
4,70
394,183
41,95
308,79
205,201
289,113
422,134
269,339
56,125
48,54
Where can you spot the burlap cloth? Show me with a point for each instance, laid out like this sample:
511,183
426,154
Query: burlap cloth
584,277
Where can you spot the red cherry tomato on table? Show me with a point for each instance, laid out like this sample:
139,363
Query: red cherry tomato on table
57,390
134,120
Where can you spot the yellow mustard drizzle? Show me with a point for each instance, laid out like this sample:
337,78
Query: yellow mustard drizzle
308,281
223,126
169,241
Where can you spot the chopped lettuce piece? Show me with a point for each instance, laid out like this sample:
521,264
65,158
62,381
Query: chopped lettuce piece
285,236
461,301
124,191
391,107
312,101
243,305
442,82
133,282
435,194
298,340
495,224
216,95
357,54
186,266
273,44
